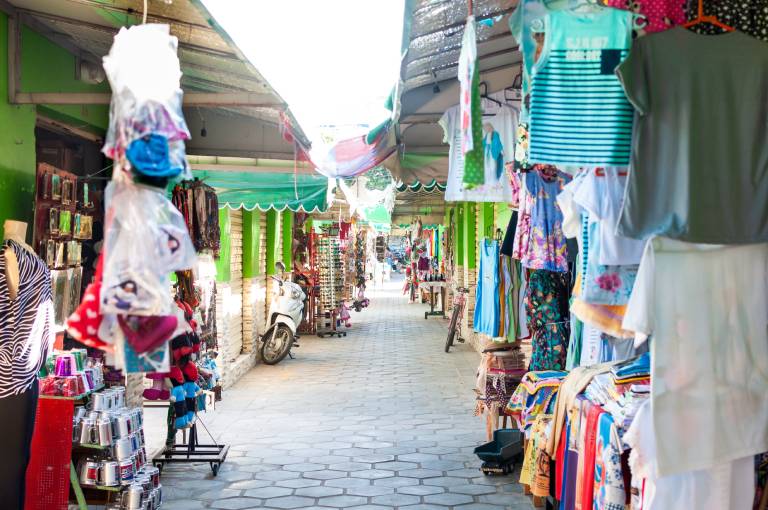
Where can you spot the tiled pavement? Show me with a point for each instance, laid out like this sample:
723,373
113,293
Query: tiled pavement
380,419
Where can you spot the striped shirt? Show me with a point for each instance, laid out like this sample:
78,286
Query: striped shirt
26,323
579,113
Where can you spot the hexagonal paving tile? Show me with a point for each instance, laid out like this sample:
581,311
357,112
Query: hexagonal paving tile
481,506
268,492
289,502
236,503
445,481
420,473
420,490
473,490
329,459
396,465
290,446
319,492
418,457
373,458
448,499
396,481
372,474
183,504
350,466
304,467
370,490
216,494
297,483
463,473
395,500
333,445
325,474
342,501
276,475
442,465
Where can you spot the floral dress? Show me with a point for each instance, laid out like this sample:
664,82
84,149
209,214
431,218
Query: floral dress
546,304
539,239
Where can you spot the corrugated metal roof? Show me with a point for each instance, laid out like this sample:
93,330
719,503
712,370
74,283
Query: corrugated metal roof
434,44
210,60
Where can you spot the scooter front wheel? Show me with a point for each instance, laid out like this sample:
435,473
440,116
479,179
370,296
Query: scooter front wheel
277,343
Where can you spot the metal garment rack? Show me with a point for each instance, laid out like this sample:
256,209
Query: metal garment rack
191,451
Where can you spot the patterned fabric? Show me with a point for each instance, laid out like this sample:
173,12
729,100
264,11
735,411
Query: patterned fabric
539,239
603,285
466,74
579,113
474,166
653,15
609,475
534,395
26,323
546,303
748,16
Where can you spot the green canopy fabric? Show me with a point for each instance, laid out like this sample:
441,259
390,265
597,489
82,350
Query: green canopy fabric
264,191
377,214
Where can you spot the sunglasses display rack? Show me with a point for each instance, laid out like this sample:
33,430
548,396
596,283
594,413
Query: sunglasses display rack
331,281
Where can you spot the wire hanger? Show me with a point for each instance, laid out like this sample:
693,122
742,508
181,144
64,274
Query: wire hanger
484,95
712,20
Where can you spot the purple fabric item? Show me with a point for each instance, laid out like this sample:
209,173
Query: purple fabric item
423,264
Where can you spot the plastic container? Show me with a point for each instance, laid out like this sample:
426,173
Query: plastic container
506,444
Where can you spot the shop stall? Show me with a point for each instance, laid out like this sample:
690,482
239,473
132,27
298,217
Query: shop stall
581,140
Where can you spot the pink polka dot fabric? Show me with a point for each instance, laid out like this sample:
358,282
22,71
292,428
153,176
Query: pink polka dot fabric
655,15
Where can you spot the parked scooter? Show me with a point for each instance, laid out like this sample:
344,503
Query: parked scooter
285,314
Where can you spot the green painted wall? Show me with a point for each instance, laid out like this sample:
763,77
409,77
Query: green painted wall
287,239
251,243
223,264
503,215
17,147
45,68
50,68
273,233
458,218
470,235
485,224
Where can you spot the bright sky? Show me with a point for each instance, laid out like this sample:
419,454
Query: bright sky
333,61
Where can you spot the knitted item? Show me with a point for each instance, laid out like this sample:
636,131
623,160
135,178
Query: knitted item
178,397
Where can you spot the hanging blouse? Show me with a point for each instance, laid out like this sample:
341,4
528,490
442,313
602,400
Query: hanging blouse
26,323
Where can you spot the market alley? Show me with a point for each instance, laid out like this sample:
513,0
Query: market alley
380,419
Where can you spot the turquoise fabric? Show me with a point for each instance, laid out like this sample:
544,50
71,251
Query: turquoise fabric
579,113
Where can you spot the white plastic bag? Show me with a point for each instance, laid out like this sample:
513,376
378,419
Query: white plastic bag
146,239
145,76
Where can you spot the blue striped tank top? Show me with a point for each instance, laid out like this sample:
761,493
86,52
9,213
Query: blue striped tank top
579,113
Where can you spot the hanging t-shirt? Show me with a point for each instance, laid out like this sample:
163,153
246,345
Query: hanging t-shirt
699,165
729,484
707,309
579,114
601,193
499,190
